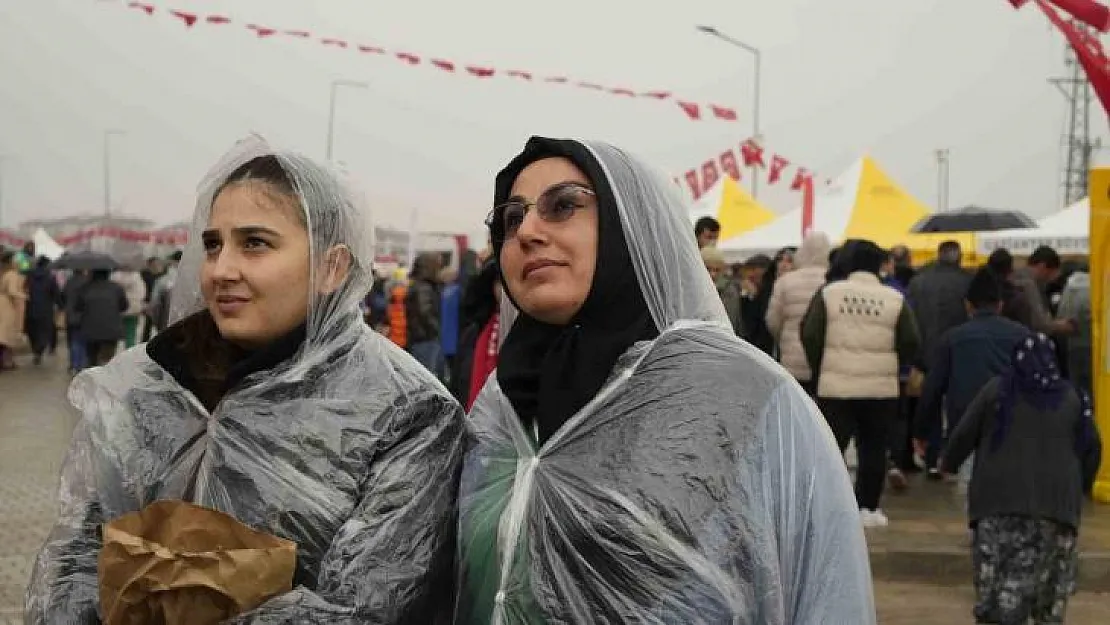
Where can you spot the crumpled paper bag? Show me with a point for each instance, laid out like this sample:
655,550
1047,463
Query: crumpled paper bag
175,563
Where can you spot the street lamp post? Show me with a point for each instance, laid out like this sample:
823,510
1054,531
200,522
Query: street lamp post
942,179
758,80
108,134
335,85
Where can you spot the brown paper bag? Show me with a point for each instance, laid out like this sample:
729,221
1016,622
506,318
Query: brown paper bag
175,563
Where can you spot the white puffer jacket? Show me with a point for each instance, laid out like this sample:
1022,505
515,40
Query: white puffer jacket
790,300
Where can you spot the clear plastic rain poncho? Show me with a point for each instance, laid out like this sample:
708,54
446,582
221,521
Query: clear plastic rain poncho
349,448
699,486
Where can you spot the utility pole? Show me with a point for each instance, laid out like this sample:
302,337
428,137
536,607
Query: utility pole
1076,145
108,134
942,179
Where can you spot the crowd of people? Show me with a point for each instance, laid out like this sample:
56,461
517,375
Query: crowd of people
586,423
941,369
98,309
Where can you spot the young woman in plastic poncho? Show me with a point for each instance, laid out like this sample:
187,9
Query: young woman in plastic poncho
270,399
635,462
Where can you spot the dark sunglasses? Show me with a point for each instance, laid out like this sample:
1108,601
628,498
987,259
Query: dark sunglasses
557,204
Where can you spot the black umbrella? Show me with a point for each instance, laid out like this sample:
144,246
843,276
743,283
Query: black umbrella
89,261
974,219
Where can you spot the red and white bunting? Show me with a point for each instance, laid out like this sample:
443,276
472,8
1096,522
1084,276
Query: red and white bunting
193,20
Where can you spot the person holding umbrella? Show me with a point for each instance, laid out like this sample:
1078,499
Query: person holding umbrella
97,305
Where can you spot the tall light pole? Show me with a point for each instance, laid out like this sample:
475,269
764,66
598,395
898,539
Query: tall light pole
758,80
108,134
335,85
942,179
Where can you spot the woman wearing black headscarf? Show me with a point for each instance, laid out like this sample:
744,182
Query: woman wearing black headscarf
634,461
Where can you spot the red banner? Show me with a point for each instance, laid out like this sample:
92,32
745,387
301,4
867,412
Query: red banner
192,20
807,206
1089,12
1088,50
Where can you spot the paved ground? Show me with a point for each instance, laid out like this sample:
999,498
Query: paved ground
35,424
924,604
928,540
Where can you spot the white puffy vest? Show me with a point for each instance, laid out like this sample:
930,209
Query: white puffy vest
860,360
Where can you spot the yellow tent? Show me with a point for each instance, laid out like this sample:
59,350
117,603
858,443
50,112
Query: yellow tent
862,203
885,213
735,208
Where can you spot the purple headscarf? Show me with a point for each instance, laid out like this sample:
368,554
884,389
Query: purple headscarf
1034,376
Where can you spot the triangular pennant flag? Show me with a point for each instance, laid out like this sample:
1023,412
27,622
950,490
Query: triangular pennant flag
480,72
371,49
217,19
562,80
778,164
658,95
693,111
516,73
303,34
591,85
409,58
339,43
752,153
721,112
730,165
446,66
622,91
188,18
145,8
261,31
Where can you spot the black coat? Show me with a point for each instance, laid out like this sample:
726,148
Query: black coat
44,297
101,305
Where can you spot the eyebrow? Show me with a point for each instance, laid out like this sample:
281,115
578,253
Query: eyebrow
245,231
558,185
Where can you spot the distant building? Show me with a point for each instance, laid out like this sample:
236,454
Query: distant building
132,239
129,240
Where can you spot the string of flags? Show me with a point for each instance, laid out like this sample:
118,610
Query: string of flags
751,155
694,111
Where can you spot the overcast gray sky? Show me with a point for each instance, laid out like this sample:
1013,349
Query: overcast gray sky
896,79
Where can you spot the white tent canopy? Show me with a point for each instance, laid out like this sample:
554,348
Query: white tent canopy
1067,232
46,246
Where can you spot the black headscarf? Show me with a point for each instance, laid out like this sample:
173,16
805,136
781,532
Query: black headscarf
550,372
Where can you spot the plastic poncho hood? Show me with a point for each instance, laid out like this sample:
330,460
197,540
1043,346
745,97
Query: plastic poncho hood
699,485
349,448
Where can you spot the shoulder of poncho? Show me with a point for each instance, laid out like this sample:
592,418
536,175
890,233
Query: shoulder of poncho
699,348
384,360
371,363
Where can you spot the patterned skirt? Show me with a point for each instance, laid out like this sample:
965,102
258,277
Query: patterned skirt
1025,568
